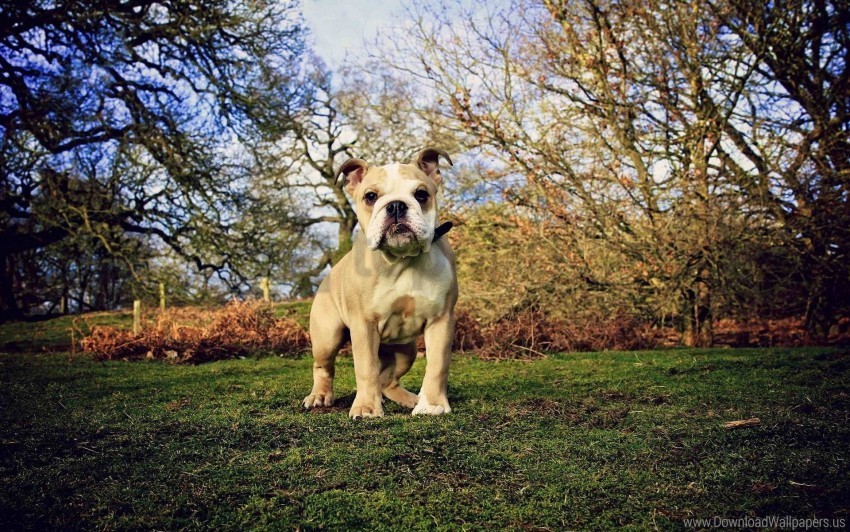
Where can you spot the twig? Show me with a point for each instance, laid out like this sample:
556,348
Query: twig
742,423
530,349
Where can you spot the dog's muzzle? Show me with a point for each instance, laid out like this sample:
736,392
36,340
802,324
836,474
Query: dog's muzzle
396,210
399,228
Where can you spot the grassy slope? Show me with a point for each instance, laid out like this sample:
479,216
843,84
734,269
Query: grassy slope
55,334
578,441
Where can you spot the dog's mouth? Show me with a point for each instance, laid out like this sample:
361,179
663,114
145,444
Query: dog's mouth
399,229
398,235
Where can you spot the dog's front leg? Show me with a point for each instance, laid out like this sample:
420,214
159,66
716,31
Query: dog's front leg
433,398
367,372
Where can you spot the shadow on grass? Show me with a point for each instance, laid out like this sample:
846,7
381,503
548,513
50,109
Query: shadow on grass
594,441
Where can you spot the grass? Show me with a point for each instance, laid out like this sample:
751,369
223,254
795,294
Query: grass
55,334
573,441
297,310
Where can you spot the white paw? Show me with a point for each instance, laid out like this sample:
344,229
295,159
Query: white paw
424,407
358,412
317,400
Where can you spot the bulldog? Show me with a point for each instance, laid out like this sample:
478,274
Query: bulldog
397,283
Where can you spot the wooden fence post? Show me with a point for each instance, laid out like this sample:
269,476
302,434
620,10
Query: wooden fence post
161,296
137,317
264,284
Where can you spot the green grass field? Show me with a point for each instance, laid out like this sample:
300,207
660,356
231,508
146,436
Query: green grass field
573,441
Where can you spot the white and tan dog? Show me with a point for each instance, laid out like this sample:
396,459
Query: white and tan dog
397,283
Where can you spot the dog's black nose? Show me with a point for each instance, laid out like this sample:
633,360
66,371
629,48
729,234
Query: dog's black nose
396,209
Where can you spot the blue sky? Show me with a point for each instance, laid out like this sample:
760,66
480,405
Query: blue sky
339,27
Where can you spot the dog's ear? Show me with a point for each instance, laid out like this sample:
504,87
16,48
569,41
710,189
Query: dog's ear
429,162
353,170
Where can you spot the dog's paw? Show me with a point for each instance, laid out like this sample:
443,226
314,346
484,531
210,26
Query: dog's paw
318,399
402,397
360,411
424,407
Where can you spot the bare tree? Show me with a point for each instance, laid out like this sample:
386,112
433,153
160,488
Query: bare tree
797,143
614,114
155,93
365,116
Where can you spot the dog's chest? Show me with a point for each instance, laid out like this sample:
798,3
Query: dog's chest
404,302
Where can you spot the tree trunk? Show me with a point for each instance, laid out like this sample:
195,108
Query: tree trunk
304,284
697,328
9,309
702,311
819,316
345,237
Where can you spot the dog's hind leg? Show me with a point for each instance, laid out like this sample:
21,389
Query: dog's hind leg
327,334
396,361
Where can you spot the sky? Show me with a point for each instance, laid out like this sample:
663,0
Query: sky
339,27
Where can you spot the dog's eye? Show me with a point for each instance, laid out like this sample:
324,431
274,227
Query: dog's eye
370,198
421,195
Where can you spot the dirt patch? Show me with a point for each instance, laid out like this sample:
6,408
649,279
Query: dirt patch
587,413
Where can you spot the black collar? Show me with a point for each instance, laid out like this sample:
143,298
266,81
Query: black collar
442,230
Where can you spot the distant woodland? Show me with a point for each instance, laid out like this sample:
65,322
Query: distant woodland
669,163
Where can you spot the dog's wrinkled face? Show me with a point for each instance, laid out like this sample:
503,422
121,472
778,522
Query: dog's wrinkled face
396,203
397,210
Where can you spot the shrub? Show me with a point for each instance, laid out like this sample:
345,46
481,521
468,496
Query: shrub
469,335
530,334
237,329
